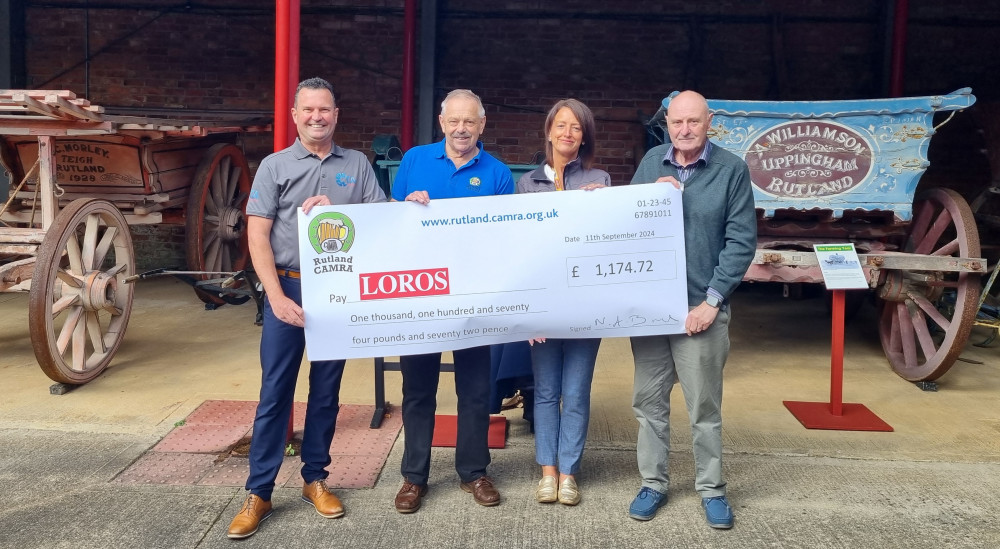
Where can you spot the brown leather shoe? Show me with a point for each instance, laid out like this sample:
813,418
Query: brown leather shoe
409,496
319,495
482,491
245,523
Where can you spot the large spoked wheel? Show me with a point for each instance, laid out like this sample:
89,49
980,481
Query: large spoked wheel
79,303
927,315
216,223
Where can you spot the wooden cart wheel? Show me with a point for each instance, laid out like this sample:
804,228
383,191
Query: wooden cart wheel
216,223
927,315
79,303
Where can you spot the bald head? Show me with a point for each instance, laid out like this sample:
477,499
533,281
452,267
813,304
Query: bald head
688,121
688,100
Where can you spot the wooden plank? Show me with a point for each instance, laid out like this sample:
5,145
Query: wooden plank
884,260
134,203
159,207
19,249
73,132
147,219
55,104
35,106
19,235
196,131
138,207
112,197
32,112
230,125
208,128
16,272
47,179
156,127
25,125
71,110
38,94
208,120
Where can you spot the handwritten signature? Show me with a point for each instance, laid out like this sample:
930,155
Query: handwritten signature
630,321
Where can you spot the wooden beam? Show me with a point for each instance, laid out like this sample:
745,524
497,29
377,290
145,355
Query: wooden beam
19,249
30,104
39,94
147,219
33,125
17,235
47,179
68,109
109,195
16,272
884,260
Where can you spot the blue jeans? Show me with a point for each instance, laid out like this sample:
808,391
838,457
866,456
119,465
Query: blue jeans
564,370
281,348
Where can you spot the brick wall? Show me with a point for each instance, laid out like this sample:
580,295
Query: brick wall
621,58
158,246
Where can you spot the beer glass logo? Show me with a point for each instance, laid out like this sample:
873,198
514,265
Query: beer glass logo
331,232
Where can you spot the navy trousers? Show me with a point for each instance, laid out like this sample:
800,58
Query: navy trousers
281,348
421,374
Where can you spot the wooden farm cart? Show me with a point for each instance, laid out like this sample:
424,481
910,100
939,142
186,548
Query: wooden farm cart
847,171
78,178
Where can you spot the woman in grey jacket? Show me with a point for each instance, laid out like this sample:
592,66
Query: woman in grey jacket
563,368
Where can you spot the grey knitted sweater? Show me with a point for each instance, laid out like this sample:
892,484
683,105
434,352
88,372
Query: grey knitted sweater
720,225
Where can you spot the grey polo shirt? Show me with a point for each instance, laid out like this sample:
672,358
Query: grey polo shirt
288,177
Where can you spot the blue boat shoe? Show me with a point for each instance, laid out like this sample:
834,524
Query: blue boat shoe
646,503
717,512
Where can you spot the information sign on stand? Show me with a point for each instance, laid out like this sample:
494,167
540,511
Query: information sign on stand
841,271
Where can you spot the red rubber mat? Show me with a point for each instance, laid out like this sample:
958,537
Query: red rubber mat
446,427
196,451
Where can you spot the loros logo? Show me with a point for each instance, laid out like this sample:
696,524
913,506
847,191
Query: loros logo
404,284
331,232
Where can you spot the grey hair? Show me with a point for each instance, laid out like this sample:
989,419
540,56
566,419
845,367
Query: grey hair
314,83
468,94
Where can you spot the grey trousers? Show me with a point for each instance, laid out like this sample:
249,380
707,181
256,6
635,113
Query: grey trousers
697,362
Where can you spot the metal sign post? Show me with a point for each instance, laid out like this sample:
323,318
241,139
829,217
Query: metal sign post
841,269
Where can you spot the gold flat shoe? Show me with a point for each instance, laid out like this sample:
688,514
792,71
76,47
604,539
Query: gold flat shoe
569,494
546,491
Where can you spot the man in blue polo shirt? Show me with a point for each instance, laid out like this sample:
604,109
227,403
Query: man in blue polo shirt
454,168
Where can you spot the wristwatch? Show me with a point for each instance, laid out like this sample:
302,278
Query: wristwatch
712,301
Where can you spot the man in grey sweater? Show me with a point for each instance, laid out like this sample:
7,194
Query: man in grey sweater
720,237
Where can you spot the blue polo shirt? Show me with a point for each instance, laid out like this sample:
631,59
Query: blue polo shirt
428,168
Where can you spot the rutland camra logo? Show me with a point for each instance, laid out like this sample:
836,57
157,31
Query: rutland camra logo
404,284
331,232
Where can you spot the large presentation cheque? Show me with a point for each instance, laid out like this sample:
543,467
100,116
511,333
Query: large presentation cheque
402,278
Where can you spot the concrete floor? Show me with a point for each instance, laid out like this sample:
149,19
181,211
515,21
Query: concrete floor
176,354
930,482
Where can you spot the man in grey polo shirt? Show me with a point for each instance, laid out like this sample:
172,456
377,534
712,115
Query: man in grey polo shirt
314,171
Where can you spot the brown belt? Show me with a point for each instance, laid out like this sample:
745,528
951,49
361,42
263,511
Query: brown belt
289,272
